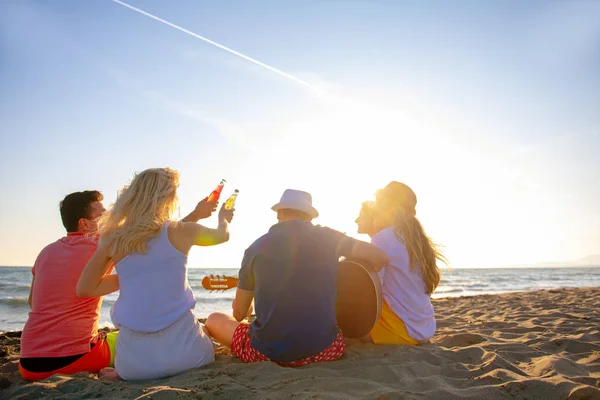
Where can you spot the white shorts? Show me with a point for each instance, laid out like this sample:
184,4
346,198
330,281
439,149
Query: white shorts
177,348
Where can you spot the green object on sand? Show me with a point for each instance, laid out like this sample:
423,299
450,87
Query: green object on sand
111,339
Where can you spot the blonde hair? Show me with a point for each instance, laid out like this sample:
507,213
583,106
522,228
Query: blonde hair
396,207
141,209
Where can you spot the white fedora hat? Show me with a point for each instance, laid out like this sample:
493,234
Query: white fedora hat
296,200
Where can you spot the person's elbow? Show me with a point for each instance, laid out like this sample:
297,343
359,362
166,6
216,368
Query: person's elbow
225,237
220,237
239,315
83,291
371,254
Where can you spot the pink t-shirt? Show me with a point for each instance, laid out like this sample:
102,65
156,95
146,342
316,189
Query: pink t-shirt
60,323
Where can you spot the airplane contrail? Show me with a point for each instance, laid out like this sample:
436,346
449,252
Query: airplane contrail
220,46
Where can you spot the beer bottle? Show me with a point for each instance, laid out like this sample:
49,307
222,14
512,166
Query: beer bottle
230,203
215,194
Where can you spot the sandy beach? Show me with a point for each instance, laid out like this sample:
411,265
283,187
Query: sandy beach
534,345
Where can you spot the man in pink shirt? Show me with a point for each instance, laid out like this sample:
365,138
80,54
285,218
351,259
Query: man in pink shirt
61,335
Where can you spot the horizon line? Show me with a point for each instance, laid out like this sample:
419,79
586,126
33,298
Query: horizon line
445,269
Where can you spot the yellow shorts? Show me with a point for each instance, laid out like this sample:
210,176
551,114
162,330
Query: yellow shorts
390,329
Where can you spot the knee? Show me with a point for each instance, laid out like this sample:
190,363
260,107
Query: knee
214,319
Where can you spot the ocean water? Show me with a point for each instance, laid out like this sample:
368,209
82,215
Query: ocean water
15,283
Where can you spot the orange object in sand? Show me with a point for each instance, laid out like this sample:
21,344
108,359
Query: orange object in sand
94,361
219,282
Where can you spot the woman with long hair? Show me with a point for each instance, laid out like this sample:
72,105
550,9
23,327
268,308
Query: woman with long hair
159,335
412,274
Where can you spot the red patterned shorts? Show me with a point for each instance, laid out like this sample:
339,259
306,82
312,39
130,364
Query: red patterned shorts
241,347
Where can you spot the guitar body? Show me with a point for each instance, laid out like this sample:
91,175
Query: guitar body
359,299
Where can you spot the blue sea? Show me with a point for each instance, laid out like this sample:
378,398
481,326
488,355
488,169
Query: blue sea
15,283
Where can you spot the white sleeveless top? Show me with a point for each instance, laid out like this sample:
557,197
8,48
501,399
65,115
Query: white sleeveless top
154,291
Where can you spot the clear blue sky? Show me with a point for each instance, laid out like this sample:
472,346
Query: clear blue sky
489,110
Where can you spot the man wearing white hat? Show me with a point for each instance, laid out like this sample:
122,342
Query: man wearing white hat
290,273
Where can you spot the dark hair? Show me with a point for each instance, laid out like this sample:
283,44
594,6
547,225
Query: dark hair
76,206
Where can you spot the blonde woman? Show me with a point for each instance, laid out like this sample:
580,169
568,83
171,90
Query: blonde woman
412,274
159,335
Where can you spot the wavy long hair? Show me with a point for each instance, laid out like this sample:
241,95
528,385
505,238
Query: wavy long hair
395,206
141,209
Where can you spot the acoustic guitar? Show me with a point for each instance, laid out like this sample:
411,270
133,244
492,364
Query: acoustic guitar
359,298
219,282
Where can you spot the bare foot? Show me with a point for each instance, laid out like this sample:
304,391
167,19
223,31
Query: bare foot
367,339
108,373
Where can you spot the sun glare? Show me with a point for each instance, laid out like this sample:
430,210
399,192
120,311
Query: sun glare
468,201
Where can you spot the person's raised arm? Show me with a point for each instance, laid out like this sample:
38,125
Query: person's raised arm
94,280
204,209
203,236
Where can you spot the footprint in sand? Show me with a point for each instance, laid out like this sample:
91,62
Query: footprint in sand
559,345
552,365
584,393
461,340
